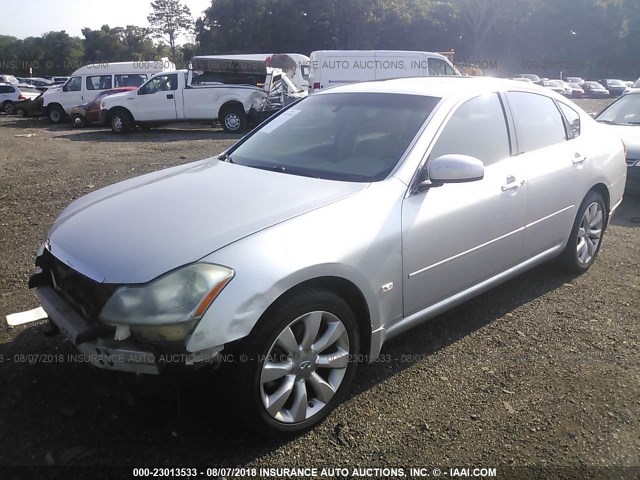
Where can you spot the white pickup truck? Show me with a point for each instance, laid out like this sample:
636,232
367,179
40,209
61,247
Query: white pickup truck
236,100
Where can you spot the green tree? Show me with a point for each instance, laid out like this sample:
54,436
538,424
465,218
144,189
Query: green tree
168,19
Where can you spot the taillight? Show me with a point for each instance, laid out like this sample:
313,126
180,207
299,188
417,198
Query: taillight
22,97
316,85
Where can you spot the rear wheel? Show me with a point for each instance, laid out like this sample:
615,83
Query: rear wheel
234,120
296,365
56,113
121,121
586,235
8,107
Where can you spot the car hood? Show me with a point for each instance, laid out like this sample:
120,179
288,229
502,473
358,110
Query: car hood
136,230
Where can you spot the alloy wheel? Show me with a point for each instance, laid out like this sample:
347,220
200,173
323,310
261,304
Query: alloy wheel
589,233
304,367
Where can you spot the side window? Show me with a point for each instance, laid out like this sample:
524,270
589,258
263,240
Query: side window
130,80
436,66
6,89
99,82
537,120
478,129
160,83
573,118
74,84
448,70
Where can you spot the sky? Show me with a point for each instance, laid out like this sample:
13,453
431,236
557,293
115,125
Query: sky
39,16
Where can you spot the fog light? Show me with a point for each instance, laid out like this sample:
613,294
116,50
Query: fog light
163,333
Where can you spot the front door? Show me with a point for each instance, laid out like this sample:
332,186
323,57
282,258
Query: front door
457,235
156,99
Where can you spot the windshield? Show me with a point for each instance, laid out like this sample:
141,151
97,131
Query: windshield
11,79
625,111
356,137
594,85
616,83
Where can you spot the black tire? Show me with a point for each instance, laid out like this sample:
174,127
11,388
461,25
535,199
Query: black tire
9,108
121,121
56,114
234,120
243,377
78,121
574,258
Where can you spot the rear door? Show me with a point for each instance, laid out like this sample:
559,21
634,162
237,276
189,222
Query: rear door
556,164
457,235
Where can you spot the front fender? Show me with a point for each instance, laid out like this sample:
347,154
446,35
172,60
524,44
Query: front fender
356,239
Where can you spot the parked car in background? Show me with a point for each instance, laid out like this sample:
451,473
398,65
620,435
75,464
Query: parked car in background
634,86
373,207
9,79
29,107
10,94
594,90
522,79
576,90
623,116
615,87
533,77
329,68
90,112
557,86
576,80
198,94
86,82
40,84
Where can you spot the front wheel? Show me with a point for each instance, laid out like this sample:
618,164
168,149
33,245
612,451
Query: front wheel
234,120
296,365
121,121
56,114
586,235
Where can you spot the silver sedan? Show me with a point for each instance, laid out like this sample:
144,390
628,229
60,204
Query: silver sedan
344,220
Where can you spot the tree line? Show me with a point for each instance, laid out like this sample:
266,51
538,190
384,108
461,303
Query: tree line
591,38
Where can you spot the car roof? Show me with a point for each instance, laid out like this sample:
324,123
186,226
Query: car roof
438,86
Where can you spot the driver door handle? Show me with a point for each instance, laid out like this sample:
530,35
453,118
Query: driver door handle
512,184
170,96
578,158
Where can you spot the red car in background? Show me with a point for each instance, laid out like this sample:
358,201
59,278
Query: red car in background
89,112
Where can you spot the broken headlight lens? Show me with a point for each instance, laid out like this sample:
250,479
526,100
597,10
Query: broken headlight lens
180,296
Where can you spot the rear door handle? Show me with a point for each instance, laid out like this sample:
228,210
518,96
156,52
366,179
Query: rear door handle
579,159
170,96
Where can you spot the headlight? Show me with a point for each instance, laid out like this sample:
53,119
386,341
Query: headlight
180,296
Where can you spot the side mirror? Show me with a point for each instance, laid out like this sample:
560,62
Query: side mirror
452,168
64,88
455,168
593,114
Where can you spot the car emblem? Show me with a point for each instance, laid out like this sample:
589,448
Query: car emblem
305,365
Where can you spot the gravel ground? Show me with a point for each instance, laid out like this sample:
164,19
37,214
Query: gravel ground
542,371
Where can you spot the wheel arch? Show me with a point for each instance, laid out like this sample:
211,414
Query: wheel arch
230,104
118,108
343,288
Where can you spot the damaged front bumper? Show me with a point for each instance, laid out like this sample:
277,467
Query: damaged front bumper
123,355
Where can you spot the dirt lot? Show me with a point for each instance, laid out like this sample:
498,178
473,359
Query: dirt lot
543,371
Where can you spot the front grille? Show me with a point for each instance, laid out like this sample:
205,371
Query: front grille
86,296
632,161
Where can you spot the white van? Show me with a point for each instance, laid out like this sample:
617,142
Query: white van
88,81
298,74
329,68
